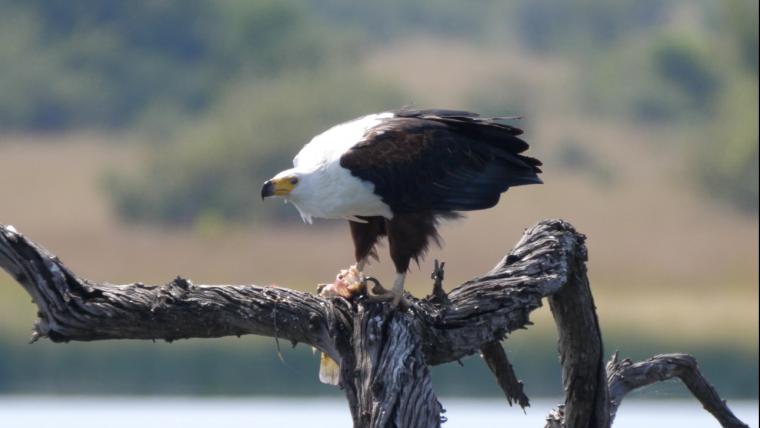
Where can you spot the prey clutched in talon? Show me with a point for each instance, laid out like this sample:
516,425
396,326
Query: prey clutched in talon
348,283
352,282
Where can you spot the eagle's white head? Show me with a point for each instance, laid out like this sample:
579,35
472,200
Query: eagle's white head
301,188
318,186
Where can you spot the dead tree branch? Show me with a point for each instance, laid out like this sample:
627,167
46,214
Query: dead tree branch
496,360
580,350
384,354
623,376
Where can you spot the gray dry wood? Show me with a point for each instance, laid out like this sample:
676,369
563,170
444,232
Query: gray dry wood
384,354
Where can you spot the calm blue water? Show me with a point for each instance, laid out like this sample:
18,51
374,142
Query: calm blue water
162,412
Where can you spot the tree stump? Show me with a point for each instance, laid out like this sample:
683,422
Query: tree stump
384,354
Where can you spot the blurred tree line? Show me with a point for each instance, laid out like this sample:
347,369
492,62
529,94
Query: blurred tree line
235,87
115,63
248,366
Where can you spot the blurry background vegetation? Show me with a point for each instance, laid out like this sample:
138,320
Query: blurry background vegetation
134,136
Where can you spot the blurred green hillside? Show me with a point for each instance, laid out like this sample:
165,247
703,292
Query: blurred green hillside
245,84
624,58
134,136
113,64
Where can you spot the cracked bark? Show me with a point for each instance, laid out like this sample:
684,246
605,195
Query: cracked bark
384,355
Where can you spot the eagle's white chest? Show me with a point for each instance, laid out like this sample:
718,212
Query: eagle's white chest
326,189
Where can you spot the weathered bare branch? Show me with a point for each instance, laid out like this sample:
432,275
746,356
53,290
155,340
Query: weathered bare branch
487,308
383,353
624,376
478,312
580,348
497,361
71,308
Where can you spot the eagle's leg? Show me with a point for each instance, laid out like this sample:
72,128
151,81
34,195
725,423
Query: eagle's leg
365,235
408,236
398,290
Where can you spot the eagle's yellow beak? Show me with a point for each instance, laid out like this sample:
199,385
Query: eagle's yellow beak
278,186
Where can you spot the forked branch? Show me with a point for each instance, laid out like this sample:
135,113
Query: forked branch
384,354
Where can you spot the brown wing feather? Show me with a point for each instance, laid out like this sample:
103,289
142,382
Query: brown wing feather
425,161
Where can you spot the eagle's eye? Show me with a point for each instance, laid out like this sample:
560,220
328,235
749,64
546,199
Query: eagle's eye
294,181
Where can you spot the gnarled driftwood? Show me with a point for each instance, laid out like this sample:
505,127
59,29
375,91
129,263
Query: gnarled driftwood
384,354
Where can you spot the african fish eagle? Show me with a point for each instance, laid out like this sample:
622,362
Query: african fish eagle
397,173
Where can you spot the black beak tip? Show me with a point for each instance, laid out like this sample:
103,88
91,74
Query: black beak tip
267,189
